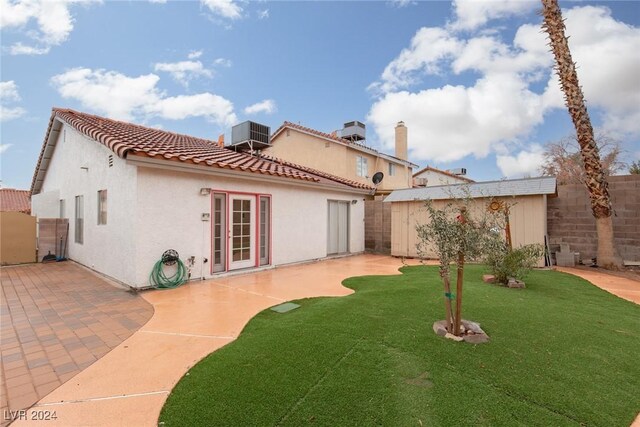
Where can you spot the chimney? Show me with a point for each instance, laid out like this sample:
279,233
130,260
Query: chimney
221,141
401,141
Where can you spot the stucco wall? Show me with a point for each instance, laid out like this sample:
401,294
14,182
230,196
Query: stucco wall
336,159
106,248
170,208
46,204
435,178
527,222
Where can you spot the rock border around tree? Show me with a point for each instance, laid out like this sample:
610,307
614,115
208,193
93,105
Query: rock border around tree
471,332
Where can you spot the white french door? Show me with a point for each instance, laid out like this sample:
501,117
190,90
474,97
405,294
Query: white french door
242,237
338,227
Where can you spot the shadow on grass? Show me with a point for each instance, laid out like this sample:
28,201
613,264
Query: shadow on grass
562,352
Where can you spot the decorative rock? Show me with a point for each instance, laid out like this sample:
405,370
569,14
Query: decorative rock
514,283
453,337
476,338
440,327
472,326
488,278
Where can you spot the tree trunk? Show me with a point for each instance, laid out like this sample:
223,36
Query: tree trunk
458,318
607,256
574,99
447,302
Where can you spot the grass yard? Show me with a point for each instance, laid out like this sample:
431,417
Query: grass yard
562,352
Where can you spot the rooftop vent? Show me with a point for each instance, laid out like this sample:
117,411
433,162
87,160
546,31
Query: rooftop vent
354,131
458,171
250,136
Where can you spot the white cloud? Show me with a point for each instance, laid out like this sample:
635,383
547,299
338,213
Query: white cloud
207,105
223,62
451,122
22,49
184,71
194,54
8,94
525,163
607,55
472,14
126,98
402,3
52,18
268,106
429,48
263,14
505,102
9,91
224,8
4,147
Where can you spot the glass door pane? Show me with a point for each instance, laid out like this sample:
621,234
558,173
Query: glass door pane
242,232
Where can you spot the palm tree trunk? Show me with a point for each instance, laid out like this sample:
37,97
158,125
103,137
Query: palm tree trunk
574,99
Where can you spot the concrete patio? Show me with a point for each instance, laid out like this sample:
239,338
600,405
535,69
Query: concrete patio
129,385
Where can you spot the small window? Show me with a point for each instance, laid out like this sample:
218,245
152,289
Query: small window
102,207
62,209
392,169
79,232
361,166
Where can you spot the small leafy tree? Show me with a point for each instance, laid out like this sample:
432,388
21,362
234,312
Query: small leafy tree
506,263
634,169
457,235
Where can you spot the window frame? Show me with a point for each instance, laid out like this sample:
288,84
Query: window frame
79,220
362,166
102,207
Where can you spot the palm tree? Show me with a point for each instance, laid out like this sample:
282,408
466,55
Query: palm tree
574,99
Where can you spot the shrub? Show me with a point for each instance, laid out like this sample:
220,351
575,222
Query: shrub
514,263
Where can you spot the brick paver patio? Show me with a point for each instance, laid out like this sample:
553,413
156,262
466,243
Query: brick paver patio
57,319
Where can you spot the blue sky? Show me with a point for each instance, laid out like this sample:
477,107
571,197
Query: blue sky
472,81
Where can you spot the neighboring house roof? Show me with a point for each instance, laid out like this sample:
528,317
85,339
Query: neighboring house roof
12,200
503,188
447,173
335,138
128,140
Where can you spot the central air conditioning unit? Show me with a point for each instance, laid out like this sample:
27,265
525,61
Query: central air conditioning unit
354,131
458,171
250,136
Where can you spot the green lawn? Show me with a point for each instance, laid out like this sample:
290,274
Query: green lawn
562,352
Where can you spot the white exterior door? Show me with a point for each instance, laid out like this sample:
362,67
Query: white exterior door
338,235
242,234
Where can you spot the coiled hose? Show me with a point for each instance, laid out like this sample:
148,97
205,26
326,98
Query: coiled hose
159,280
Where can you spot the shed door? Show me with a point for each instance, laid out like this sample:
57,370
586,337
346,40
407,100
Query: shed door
338,236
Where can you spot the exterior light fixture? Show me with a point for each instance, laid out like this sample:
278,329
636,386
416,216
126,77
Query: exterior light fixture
353,202
205,191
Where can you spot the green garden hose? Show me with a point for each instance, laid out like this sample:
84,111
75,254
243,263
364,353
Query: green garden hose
159,280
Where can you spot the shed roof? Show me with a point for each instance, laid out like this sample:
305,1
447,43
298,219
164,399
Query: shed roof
128,139
12,200
502,188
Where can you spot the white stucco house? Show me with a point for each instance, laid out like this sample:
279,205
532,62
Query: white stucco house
132,192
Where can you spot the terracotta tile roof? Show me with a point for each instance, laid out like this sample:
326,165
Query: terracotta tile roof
333,137
12,200
447,173
127,139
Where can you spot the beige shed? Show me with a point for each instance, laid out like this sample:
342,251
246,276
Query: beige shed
527,199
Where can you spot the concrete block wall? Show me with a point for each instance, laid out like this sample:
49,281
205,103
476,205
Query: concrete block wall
570,219
377,226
